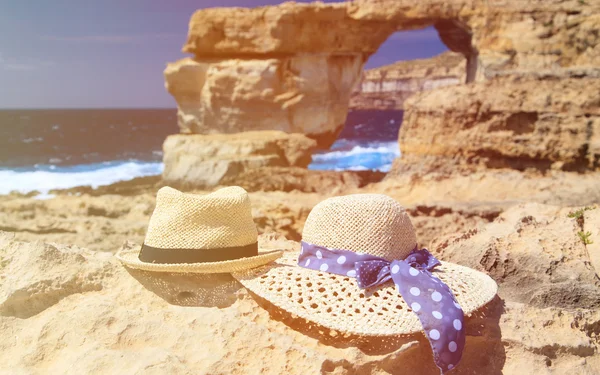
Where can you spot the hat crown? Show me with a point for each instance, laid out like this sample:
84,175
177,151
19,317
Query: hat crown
189,221
363,223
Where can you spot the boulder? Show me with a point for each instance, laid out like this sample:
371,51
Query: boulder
199,161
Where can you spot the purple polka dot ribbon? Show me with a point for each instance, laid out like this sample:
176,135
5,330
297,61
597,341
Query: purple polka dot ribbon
428,297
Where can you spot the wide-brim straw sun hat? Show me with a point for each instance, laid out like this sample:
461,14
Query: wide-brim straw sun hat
192,233
360,272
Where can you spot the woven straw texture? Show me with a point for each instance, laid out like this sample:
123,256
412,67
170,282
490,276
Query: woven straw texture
189,221
193,221
364,223
335,301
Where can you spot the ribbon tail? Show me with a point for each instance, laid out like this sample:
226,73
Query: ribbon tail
434,304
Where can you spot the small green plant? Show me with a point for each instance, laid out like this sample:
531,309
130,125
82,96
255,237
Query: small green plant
579,213
549,23
585,237
582,2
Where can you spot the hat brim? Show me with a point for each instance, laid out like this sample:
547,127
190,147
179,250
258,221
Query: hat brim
130,258
336,302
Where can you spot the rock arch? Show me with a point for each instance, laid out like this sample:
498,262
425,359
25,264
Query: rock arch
457,36
292,67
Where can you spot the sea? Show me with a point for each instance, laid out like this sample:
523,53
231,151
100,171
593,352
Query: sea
42,150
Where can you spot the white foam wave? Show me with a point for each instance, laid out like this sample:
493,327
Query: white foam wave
377,157
354,168
382,148
25,181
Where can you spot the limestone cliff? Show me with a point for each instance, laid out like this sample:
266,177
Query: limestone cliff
387,87
534,105
506,34
520,123
292,67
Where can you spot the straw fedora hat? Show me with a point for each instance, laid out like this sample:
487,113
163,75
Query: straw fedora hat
211,233
372,226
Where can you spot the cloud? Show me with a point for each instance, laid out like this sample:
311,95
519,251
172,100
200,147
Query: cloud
17,66
23,65
89,39
111,39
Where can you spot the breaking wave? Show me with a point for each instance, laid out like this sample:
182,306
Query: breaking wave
355,157
44,178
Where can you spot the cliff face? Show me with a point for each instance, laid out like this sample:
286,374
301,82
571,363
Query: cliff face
510,122
387,87
292,67
530,102
534,105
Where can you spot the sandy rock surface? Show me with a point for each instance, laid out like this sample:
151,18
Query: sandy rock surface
443,200
439,203
103,223
138,322
535,254
448,184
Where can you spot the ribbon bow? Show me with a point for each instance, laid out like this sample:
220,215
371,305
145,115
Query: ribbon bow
374,272
428,297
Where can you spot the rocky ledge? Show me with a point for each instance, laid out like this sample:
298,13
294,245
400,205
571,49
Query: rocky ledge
133,321
542,122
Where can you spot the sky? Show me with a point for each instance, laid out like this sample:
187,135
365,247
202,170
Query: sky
111,53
